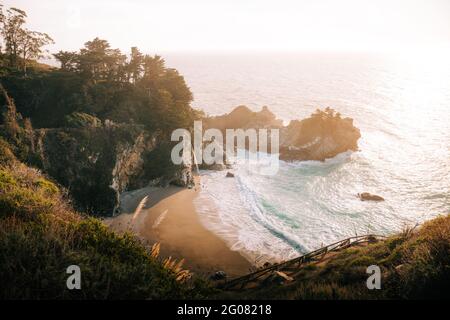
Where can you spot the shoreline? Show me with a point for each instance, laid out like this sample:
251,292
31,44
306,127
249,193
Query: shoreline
170,218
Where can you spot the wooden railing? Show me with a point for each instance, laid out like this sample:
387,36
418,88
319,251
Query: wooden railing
315,255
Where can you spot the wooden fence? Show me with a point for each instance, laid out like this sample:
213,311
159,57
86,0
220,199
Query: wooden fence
295,263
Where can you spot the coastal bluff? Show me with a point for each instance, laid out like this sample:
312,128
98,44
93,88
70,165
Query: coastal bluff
323,135
105,161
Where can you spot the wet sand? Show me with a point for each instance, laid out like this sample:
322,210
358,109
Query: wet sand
169,217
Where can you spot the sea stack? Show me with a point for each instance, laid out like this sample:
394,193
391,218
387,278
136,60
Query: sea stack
323,135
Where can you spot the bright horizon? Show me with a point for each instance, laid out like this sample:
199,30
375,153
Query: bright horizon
237,26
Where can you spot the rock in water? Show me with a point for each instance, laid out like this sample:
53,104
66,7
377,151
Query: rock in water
230,175
365,196
323,135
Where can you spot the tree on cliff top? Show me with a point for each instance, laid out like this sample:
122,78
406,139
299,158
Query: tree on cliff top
21,45
97,80
136,89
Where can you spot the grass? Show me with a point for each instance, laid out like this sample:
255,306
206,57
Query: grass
41,235
6,155
415,264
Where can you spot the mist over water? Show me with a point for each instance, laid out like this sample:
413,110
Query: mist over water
402,107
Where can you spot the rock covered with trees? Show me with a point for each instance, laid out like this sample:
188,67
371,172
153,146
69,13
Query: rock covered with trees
323,135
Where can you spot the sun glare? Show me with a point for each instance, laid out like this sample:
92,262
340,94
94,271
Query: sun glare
251,25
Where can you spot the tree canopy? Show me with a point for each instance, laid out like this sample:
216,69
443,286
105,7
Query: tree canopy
97,80
20,45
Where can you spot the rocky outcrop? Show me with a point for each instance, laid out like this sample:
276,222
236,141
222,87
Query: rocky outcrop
214,166
95,164
94,160
323,135
129,164
182,177
242,117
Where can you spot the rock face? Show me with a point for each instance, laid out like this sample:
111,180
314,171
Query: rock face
96,161
323,135
182,177
97,164
229,175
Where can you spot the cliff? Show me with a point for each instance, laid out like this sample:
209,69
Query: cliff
96,164
95,160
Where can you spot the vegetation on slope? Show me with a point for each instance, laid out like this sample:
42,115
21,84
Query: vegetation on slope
41,235
415,264
91,111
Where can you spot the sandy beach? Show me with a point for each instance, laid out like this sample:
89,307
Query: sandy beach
169,217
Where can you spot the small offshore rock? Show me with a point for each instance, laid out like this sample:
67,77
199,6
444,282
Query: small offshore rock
365,196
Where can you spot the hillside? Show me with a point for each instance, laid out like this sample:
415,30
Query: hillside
415,264
41,235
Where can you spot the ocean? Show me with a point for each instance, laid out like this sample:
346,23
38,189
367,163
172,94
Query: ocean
401,104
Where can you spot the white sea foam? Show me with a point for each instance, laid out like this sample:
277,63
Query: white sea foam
402,112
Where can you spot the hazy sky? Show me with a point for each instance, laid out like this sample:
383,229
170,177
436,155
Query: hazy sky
244,25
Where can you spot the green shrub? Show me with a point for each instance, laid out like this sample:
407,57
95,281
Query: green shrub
414,265
81,120
6,155
47,186
40,236
18,197
362,261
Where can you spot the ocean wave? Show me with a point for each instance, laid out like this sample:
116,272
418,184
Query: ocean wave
404,153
